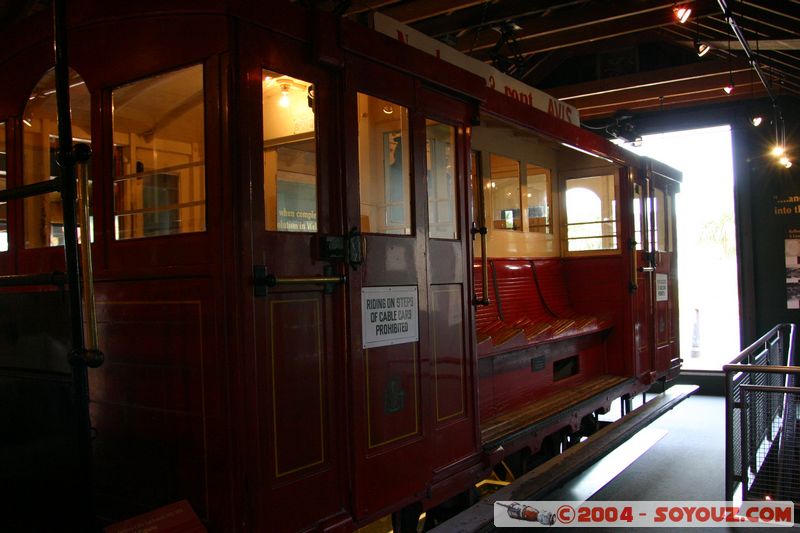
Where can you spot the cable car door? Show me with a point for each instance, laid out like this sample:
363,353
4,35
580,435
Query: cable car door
643,296
656,326
664,261
298,294
409,306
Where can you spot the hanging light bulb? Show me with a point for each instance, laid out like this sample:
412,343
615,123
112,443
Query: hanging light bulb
778,150
284,99
756,120
702,49
729,88
682,13
785,161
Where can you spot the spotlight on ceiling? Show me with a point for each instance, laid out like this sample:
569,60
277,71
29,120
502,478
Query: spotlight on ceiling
682,13
701,48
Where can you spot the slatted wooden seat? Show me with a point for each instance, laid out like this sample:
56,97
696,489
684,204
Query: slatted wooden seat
537,410
529,304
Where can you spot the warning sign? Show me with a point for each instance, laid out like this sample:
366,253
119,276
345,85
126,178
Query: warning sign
662,294
389,315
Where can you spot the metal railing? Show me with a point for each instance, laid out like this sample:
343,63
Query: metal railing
761,426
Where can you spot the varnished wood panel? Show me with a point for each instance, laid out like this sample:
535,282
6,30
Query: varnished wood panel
392,393
447,346
148,405
297,384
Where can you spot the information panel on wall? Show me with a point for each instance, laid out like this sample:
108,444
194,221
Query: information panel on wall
389,315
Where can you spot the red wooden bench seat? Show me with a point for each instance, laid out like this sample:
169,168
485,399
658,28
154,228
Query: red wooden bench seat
529,304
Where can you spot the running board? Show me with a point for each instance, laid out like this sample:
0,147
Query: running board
541,481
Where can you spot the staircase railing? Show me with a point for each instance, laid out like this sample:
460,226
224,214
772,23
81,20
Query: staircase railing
761,395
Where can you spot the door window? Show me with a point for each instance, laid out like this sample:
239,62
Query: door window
290,153
3,174
159,155
44,220
384,166
660,228
442,209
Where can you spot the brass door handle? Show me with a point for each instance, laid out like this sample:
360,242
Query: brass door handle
263,279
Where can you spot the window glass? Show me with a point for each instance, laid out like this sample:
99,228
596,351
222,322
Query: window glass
537,199
384,166
3,174
441,164
637,216
504,204
290,153
661,220
159,155
44,219
591,219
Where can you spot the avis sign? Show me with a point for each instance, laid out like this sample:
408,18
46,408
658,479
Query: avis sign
389,315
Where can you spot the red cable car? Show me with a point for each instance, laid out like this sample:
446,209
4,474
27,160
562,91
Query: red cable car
335,277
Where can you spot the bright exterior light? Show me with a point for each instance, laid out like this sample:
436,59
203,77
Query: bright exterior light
682,13
284,100
777,150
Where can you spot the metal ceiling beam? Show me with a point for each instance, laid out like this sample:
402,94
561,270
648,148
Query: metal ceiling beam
751,57
487,14
587,24
655,82
360,6
413,11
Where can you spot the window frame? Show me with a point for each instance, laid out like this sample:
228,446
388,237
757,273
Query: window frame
589,172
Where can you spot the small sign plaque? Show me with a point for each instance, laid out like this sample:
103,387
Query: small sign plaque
662,293
389,315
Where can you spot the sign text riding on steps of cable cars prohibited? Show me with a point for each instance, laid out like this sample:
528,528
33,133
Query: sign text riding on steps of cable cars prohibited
389,315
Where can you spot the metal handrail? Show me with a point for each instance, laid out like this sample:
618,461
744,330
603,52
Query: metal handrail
772,354
31,189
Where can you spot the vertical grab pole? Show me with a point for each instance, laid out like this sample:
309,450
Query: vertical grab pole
82,153
78,356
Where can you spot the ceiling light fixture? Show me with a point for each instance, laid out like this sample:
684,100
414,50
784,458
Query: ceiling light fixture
682,13
701,48
284,99
756,120
729,88
388,109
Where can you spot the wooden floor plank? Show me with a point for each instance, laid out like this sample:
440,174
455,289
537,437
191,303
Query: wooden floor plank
507,423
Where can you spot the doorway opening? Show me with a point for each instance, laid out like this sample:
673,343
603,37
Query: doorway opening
707,264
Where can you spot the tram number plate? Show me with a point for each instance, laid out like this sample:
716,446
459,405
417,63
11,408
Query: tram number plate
389,315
